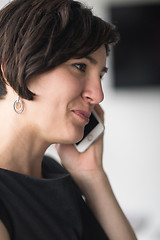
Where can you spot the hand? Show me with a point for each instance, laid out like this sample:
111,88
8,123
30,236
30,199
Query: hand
86,163
87,171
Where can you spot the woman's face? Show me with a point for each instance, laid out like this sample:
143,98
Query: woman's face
65,97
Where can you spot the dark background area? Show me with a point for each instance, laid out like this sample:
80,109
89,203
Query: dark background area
136,59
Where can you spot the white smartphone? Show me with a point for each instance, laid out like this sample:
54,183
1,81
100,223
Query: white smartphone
92,131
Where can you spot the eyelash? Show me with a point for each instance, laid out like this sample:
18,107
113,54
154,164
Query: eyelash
82,67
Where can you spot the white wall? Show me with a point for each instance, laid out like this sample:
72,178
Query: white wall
132,146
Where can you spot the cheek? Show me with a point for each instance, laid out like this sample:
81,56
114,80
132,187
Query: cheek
58,82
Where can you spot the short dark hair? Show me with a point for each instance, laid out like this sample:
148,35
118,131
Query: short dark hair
38,35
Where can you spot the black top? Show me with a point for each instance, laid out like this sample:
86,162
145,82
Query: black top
50,208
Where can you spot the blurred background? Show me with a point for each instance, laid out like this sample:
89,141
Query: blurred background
132,111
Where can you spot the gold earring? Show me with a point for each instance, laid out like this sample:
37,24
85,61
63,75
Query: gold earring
18,106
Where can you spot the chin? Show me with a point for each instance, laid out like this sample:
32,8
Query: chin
75,137
69,135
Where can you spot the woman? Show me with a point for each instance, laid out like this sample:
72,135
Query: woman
53,56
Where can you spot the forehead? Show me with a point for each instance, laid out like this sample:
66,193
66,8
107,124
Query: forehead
99,55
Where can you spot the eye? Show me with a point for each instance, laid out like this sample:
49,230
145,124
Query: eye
101,77
80,66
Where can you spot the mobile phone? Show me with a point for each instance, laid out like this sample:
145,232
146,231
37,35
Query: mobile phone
92,131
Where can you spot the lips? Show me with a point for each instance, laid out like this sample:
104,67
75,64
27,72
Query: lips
82,114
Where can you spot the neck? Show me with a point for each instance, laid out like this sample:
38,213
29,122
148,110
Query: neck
21,149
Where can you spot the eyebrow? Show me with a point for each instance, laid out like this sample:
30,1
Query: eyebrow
94,61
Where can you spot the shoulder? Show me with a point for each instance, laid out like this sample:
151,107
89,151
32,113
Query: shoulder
4,233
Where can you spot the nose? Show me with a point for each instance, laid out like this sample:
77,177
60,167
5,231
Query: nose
93,92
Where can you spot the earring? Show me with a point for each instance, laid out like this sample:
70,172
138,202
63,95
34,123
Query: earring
18,106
